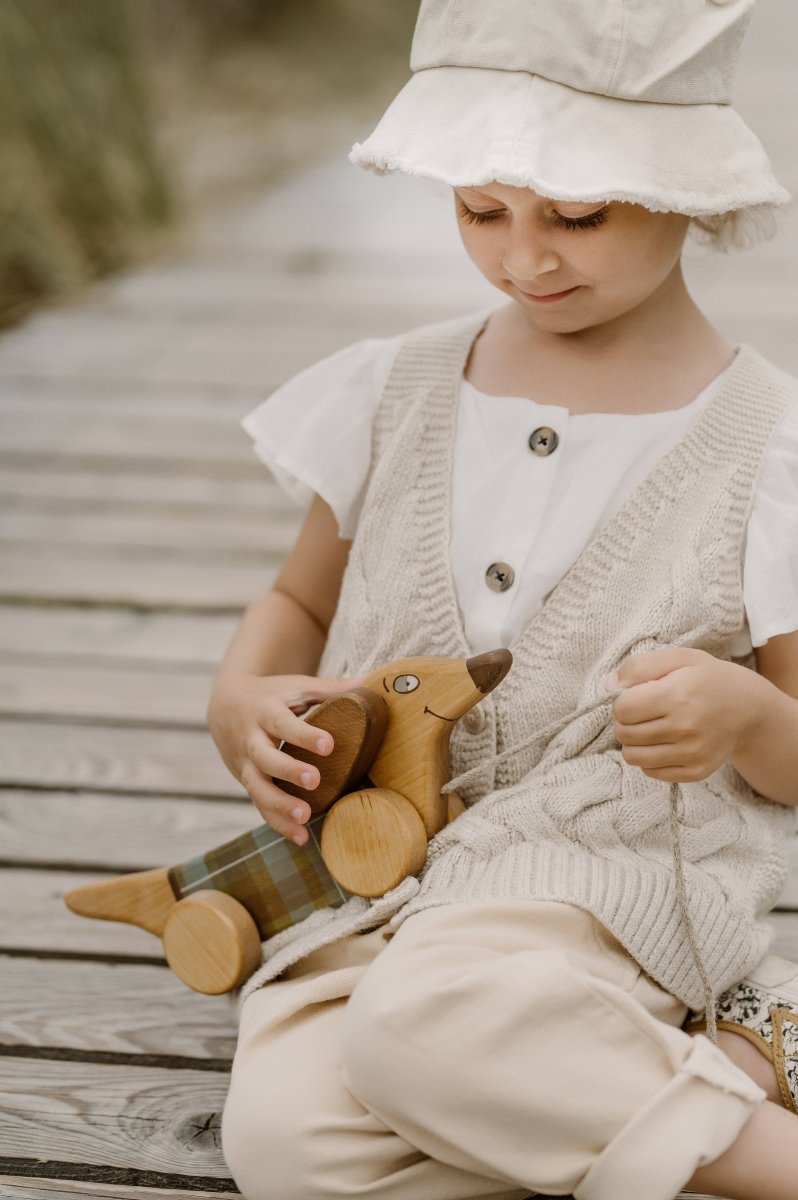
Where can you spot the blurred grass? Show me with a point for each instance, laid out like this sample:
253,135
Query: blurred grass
121,119
81,176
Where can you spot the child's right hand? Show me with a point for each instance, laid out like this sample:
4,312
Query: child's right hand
248,716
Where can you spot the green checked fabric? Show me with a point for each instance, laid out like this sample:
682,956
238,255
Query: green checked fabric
278,882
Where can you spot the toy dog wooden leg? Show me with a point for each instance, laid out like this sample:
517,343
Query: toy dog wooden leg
392,737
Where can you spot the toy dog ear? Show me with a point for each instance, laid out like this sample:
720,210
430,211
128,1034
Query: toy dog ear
357,721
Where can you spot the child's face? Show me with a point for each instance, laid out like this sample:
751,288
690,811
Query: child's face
569,266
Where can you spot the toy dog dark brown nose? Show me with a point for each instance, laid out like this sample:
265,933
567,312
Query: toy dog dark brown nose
488,670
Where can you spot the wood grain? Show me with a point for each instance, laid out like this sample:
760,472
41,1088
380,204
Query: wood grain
91,575
139,485
115,831
91,430
45,754
96,1006
115,635
33,916
239,536
21,1188
145,1118
105,694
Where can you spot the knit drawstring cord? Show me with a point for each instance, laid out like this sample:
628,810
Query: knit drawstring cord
687,920
551,730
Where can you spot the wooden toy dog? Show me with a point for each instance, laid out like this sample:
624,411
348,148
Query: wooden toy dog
381,792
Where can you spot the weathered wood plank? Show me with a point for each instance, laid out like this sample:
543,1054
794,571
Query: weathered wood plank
242,536
144,487
116,635
116,1008
174,696
222,401
90,429
136,1117
121,832
21,1188
228,288
33,916
181,762
163,352
90,575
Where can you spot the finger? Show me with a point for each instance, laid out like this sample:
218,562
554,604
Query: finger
649,757
332,685
645,733
644,702
306,690
653,664
676,774
278,765
281,724
275,806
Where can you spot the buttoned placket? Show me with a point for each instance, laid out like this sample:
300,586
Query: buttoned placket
514,453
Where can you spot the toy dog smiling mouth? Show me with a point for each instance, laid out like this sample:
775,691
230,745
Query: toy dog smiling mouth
377,805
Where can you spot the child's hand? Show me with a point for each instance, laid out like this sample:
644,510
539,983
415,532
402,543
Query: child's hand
685,712
248,716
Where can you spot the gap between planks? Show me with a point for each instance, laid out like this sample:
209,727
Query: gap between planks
20,1187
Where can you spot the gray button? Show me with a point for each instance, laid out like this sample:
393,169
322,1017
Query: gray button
475,720
543,441
499,576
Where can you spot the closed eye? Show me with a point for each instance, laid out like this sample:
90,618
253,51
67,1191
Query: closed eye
588,221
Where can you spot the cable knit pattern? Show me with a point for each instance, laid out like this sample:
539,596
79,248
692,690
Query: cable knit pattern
564,817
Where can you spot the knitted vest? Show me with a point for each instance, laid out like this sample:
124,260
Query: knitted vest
561,816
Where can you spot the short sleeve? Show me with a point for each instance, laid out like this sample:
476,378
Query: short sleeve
314,432
770,569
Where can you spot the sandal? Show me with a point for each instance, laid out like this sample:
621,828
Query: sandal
763,1007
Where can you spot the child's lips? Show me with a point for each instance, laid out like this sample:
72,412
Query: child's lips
548,297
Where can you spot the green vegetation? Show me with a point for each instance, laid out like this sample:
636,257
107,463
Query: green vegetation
81,179
99,97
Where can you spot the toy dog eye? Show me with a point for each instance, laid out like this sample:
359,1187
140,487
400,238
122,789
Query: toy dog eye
406,683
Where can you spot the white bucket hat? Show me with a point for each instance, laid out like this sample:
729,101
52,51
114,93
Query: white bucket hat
590,100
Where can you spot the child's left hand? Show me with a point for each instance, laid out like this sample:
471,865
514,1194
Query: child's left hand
685,712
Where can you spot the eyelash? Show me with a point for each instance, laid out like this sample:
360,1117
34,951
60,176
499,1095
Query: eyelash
591,221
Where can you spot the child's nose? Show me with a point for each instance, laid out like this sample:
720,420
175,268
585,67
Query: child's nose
527,256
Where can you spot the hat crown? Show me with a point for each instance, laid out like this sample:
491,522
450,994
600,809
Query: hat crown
663,51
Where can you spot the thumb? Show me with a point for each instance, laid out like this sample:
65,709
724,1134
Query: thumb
642,668
333,685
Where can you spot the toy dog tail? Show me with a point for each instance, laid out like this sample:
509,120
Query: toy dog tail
144,898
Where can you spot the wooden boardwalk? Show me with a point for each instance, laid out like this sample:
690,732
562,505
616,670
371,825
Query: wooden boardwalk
135,523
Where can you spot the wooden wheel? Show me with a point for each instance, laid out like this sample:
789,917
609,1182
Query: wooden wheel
371,840
211,942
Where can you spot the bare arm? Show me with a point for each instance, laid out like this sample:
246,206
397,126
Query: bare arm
768,756
267,675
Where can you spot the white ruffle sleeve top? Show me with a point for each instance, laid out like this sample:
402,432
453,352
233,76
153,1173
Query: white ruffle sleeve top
531,512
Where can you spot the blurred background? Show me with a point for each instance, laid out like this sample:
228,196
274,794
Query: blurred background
122,120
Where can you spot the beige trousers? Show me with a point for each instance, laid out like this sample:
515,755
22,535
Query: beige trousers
491,1049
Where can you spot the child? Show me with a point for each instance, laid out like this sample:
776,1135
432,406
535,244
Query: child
591,474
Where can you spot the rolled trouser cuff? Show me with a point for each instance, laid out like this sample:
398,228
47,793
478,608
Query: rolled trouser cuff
688,1124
